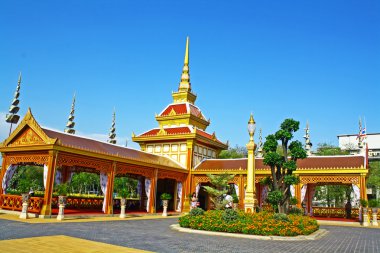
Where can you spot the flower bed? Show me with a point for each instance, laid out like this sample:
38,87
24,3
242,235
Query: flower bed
263,223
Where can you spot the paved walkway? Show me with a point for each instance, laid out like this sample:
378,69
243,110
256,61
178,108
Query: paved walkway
155,235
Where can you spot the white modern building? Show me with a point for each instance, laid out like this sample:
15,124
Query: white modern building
350,142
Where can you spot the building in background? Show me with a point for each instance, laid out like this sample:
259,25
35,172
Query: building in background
350,142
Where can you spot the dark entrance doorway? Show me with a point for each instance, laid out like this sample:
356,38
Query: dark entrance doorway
165,186
203,198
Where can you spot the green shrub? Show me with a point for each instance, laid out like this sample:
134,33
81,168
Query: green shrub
280,217
123,193
235,198
373,203
196,211
296,211
166,196
230,215
363,203
262,223
293,201
274,197
62,189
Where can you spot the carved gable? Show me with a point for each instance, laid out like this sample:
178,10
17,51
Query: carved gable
25,138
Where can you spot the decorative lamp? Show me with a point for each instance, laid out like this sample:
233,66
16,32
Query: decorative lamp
251,127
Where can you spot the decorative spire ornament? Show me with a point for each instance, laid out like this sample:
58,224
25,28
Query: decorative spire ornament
308,143
260,145
112,135
185,84
360,139
12,116
70,123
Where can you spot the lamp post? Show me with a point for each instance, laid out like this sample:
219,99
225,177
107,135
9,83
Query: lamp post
250,197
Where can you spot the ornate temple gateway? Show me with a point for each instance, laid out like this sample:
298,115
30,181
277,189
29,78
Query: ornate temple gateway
174,158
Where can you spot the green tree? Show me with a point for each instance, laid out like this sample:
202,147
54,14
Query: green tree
282,164
127,183
84,182
218,189
333,195
325,149
374,175
26,178
236,152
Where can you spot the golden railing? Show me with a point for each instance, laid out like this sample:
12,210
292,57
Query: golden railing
14,203
79,203
334,212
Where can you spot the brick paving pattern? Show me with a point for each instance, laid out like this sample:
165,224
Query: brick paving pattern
155,235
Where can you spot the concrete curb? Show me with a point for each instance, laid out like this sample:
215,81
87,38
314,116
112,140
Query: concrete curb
314,236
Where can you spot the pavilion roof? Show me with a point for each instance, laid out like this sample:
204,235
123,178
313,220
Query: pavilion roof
311,162
180,130
96,146
182,108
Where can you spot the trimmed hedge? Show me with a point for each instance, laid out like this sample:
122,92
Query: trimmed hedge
263,223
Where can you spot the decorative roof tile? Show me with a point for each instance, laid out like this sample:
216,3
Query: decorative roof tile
88,144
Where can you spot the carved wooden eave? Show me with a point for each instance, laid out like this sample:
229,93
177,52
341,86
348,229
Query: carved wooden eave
28,133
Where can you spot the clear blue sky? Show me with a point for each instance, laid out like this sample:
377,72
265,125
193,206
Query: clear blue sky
309,60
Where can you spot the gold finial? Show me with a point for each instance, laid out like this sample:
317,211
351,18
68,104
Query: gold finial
186,61
185,84
112,135
70,123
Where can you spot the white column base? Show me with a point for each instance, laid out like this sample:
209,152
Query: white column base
365,220
165,212
61,212
122,212
374,220
24,212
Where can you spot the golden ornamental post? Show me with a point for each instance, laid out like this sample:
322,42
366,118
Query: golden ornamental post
250,195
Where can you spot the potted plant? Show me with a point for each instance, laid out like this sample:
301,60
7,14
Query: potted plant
235,200
165,197
123,194
364,204
62,190
373,203
24,188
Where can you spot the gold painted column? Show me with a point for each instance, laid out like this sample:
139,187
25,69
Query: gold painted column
298,194
250,198
363,187
188,184
110,183
2,172
241,191
46,206
153,192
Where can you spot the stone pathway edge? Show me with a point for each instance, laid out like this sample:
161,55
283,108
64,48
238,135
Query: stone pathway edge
314,236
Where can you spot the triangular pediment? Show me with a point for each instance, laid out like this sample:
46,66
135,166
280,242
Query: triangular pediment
28,133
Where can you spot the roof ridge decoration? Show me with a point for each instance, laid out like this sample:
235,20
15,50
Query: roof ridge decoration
162,131
70,123
29,121
172,112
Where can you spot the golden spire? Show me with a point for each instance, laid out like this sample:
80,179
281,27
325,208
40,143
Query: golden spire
112,135
12,117
185,84
70,123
